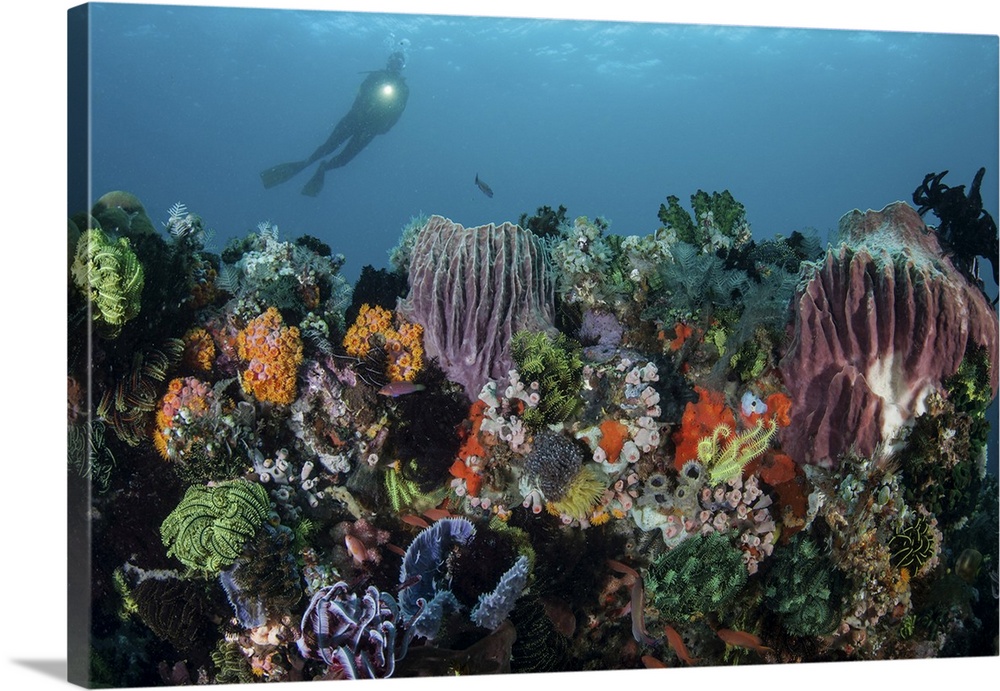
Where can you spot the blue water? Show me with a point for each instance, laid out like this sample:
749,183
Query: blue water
802,126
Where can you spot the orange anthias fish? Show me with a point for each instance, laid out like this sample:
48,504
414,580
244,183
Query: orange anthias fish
741,639
356,548
415,521
438,514
676,642
652,662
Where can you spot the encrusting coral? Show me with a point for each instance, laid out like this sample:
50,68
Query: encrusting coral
400,344
272,353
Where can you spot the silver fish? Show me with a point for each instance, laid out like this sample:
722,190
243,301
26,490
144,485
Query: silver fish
483,186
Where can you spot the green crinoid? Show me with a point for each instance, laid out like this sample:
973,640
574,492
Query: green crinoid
111,276
211,525
703,574
555,364
405,494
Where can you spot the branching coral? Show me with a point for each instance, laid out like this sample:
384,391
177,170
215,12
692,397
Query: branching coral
272,353
211,525
111,276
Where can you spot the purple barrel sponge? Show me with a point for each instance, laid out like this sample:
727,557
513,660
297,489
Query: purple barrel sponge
472,289
882,320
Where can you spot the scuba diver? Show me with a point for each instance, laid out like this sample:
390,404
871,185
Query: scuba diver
380,101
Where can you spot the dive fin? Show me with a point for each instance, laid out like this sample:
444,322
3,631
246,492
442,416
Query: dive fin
280,173
315,184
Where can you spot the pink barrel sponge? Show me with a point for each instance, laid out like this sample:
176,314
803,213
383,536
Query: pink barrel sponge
879,323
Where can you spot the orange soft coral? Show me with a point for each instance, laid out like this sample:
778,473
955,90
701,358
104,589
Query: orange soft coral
184,395
199,349
464,467
613,437
273,353
403,344
699,421
682,332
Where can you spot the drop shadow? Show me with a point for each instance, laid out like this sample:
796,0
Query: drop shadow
56,669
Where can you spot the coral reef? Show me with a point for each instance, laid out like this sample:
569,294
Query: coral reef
471,289
680,484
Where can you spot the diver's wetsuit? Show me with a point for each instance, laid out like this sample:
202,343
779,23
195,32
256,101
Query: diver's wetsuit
380,102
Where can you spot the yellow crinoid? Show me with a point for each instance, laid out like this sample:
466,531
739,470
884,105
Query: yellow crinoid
724,453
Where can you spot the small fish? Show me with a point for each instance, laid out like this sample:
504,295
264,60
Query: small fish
652,662
483,186
676,642
415,521
438,514
356,548
638,620
400,388
623,568
395,549
741,639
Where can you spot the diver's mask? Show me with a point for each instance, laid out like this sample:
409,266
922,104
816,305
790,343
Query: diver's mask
396,62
